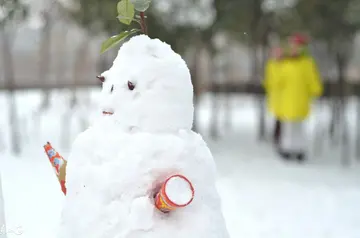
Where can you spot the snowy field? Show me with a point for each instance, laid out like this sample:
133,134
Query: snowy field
262,196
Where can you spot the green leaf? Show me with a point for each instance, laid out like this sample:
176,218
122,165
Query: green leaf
115,40
121,18
141,5
126,11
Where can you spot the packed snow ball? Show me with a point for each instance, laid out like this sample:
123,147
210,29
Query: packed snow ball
150,84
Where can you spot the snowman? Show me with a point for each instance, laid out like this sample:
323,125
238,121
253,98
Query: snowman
140,171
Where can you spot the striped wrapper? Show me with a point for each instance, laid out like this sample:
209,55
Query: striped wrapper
58,163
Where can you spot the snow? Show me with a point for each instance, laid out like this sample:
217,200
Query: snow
261,195
134,164
264,197
162,98
2,214
117,162
178,190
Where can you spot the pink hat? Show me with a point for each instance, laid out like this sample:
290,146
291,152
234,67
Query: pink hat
299,39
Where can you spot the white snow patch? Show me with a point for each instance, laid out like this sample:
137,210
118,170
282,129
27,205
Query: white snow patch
178,190
262,196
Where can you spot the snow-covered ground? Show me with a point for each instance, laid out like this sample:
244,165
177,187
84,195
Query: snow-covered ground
262,196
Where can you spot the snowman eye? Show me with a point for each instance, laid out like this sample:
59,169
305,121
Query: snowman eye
131,86
112,88
101,78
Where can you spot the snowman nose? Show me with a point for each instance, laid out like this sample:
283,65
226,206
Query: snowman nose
101,78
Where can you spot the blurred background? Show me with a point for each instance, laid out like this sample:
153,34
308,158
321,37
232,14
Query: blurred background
49,60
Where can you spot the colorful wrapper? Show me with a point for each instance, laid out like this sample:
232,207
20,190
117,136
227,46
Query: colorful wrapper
164,203
58,163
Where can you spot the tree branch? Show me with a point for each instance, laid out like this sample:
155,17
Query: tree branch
143,23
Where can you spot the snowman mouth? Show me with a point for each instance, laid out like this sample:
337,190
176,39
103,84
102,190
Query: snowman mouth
107,113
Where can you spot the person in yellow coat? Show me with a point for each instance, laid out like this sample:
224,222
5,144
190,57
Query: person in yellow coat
297,83
272,70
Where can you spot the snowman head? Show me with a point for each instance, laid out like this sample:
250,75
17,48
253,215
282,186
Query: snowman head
148,88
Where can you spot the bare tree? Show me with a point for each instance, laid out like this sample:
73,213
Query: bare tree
343,47
13,11
357,140
81,56
45,57
61,54
195,81
215,107
227,78
8,70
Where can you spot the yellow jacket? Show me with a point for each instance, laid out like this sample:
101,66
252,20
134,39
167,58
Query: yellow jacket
272,70
291,86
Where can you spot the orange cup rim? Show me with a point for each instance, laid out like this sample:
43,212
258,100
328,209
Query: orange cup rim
168,200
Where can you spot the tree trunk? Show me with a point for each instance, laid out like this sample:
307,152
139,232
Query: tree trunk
45,58
214,116
195,81
262,104
260,99
79,70
44,52
215,107
342,125
357,139
258,37
227,100
8,65
335,119
62,57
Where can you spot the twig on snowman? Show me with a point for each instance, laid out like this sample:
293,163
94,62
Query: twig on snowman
127,14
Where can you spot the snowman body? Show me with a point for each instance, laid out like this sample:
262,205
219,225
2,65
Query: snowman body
143,137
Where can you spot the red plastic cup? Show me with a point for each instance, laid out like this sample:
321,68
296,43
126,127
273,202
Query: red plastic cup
176,192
